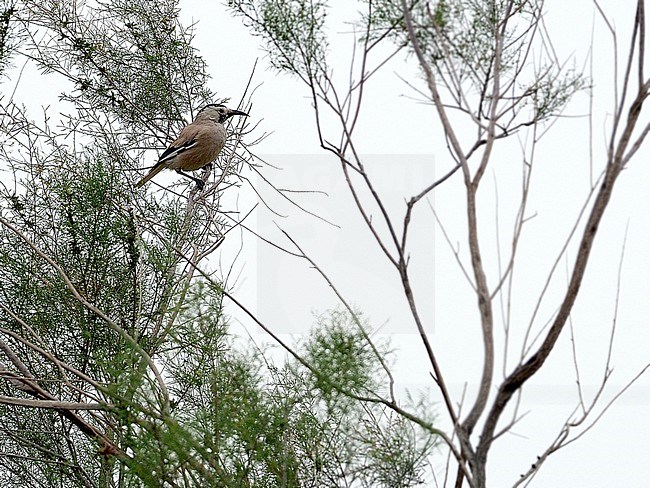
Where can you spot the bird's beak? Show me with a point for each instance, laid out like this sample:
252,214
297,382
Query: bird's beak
237,112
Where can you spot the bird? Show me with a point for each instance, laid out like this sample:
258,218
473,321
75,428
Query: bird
197,144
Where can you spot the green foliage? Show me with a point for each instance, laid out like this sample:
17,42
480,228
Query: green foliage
293,31
345,361
76,221
551,91
75,217
462,39
71,199
131,61
394,451
381,448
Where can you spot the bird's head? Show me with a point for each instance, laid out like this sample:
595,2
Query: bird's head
217,113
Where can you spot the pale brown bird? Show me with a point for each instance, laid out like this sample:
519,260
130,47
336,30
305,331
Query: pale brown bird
197,145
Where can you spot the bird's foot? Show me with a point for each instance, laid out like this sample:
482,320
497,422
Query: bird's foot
200,184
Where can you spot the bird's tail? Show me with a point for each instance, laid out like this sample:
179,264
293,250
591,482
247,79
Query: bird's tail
154,171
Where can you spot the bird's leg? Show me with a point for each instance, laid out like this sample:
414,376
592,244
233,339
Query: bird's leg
205,174
200,183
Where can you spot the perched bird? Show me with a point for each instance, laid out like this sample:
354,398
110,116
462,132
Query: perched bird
197,145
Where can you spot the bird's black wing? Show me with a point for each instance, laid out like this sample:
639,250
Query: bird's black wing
172,151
